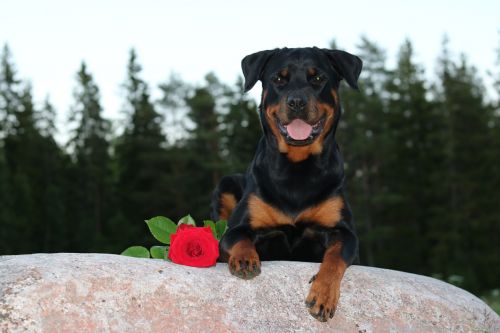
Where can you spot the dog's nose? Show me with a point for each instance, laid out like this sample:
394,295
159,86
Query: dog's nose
296,102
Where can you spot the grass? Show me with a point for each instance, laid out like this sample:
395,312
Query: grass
493,300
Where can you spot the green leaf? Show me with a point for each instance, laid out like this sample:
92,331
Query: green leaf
221,227
211,224
161,228
166,253
158,252
187,220
136,251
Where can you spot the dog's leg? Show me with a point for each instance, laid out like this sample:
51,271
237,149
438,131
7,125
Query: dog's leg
236,246
325,289
238,250
244,261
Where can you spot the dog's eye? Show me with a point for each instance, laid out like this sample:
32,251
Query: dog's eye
279,80
317,79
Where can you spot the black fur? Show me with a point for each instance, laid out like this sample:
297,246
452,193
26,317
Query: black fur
291,186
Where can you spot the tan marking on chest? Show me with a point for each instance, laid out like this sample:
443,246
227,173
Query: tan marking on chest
262,215
328,213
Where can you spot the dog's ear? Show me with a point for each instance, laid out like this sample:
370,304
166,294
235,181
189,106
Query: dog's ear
253,66
347,65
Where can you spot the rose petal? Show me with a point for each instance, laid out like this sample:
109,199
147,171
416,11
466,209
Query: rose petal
172,238
183,227
208,230
181,250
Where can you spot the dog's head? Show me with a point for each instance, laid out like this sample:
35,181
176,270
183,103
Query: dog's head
300,103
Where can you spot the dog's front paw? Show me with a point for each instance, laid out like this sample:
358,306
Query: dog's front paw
245,266
243,260
323,298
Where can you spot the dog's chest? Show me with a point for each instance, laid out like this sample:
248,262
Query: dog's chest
326,213
300,243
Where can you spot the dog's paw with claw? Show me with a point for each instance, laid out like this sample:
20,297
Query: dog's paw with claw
323,298
244,266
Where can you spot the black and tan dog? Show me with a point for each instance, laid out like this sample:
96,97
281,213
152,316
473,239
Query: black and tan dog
289,205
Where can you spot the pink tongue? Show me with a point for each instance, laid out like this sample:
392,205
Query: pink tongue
299,129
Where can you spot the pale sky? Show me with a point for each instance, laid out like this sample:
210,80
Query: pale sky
49,38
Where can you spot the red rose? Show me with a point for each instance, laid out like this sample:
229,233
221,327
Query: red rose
193,246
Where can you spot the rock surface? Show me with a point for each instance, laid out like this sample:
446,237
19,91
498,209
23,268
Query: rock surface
110,293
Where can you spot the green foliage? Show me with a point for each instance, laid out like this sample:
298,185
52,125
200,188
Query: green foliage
220,227
136,251
162,228
241,131
9,92
89,146
32,166
159,252
142,164
363,136
419,163
415,155
187,220
211,225
492,298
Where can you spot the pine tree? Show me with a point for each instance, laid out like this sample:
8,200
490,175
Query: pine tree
6,79
362,136
89,144
9,92
6,216
491,246
241,129
413,167
203,146
22,152
56,186
46,119
22,149
496,77
223,129
172,106
180,180
463,238
142,160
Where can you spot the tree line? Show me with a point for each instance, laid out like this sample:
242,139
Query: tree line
421,156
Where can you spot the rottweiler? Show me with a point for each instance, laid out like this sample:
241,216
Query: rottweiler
290,205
